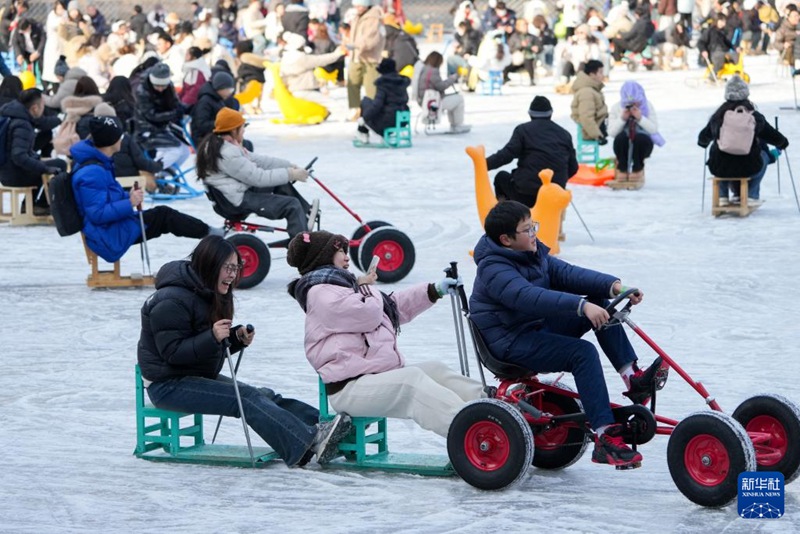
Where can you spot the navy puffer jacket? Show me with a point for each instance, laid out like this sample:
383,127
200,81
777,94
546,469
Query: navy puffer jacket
176,338
515,291
21,160
391,96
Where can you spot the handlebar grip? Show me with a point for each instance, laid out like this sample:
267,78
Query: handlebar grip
311,163
452,272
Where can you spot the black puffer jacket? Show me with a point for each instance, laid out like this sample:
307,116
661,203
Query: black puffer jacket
204,113
176,338
636,39
536,145
155,113
21,161
724,165
391,96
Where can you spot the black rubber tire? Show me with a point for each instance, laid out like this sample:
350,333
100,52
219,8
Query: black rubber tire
251,249
502,427
632,66
715,437
576,439
382,241
360,233
786,414
641,417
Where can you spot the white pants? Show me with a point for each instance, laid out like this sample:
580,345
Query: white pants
454,106
173,156
430,393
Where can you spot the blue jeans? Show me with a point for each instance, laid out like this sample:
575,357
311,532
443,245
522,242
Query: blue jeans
558,347
753,185
287,425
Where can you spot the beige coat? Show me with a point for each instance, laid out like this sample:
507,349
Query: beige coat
588,105
368,36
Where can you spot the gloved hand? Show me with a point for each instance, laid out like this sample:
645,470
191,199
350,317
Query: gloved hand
52,170
444,285
297,175
775,153
602,141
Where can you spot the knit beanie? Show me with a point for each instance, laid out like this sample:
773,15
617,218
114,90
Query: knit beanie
540,108
222,80
160,74
227,120
61,66
105,131
387,65
311,250
736,89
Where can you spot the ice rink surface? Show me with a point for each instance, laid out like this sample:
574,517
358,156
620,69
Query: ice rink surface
721,298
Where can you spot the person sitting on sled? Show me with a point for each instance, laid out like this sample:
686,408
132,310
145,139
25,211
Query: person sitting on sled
351,339
532,310
187,324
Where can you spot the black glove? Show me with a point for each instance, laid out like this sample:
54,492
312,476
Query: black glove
602,141
604,129
52,170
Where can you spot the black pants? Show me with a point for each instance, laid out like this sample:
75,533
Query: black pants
505,189
34,179
642,148
619,48
164,220
528,65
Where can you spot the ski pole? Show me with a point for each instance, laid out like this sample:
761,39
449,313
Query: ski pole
631,137
461,342
711,69
778,160
791,178
581,218
143,245
238,361
703,195
239,401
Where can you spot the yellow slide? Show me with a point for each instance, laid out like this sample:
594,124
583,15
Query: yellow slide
295,110
252,92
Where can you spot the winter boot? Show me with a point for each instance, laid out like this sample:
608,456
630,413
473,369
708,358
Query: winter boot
329,434
642,382
609,448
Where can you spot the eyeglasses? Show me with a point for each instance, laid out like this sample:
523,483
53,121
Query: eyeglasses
232,268
530,231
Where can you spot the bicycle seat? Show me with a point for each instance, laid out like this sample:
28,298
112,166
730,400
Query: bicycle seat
223,207
502,370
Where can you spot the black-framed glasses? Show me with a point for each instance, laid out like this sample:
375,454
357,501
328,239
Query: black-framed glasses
233,268
530,231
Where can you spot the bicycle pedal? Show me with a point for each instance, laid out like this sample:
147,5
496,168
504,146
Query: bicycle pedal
661,378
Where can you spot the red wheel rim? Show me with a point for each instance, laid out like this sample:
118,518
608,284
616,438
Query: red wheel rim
250,260
706,460
391,255
555,437
486,446
778,438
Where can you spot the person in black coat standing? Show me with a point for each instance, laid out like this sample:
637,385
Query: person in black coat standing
29,40
391,96
536,145
23,167
724,165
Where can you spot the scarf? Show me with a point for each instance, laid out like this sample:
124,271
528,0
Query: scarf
328,274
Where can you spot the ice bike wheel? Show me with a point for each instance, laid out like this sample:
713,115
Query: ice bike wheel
560,446
256,258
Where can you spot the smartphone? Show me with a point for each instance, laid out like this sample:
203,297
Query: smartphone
373,265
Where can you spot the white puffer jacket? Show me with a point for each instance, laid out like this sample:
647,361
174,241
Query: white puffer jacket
240,169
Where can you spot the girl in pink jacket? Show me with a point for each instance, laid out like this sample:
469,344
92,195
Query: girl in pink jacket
351,339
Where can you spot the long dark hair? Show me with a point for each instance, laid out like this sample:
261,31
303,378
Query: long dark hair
208,155
86,86
10,87
119,90
207,261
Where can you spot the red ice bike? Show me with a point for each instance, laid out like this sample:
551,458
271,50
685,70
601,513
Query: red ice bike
532,421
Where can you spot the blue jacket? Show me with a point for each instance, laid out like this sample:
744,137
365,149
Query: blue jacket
110,223
516,291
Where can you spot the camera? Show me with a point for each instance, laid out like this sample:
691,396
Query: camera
629,106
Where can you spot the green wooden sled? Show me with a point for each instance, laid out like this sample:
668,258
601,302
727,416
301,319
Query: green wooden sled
397,137
366,447
160,441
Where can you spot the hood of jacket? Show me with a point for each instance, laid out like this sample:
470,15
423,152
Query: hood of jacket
487,247
83,151
583,80
77,106
393,79
179,273
16,110
198,64
208,91
75,73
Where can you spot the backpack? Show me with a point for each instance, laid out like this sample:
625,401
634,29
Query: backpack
4,149
737,132
63,206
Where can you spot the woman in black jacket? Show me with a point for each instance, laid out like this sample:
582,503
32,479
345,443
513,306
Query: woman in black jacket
391,96
120,95
754,164
186,330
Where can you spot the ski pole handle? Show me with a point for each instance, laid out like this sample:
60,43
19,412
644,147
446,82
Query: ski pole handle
311,163
136,188
452,271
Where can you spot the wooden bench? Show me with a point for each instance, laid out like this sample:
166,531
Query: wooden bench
111,278
13,215
743,209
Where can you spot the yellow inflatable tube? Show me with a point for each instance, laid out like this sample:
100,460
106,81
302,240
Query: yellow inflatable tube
325,76
411,28
252,92
295,110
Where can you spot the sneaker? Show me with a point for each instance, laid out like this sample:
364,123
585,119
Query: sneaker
754,202
609,448
461,128
362,136
724,202
736,200
329,434
641,383
312,214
